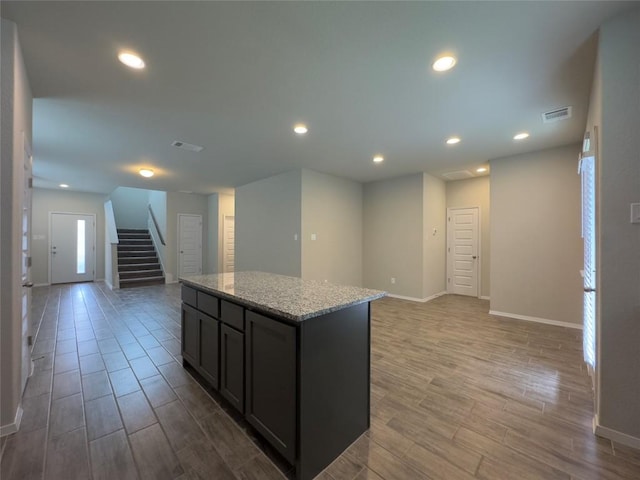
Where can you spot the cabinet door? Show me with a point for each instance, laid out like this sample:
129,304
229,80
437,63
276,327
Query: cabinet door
209,350
271,381
190,335
232,366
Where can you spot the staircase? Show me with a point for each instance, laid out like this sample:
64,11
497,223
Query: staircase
138,263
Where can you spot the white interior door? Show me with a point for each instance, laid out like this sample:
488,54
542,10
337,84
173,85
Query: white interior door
189,244
462,251
228,244
28,329
72,247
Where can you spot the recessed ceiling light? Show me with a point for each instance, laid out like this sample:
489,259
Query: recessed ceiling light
521,136
63,185
453,140
146,172
300,129
443,64
378,159
481,170
131,60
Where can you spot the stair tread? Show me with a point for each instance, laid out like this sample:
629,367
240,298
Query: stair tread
140,279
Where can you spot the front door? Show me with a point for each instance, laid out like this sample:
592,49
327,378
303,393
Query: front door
72,247
189,244
462,251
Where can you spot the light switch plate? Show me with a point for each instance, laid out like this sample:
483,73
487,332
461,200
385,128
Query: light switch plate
635,213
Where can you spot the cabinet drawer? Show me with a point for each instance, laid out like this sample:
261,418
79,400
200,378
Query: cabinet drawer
209,304
232,314
189,296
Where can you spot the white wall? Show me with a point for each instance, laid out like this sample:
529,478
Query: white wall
434,213
130,207
475,192
17,101
393,235
615,109
46,201
268,217
536,244
189,203
332,210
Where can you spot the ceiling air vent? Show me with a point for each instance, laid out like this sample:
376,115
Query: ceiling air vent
458,175
187,146
556,115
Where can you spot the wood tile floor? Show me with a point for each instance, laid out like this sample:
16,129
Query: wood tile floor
456,394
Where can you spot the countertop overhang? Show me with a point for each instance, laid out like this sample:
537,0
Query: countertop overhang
290,297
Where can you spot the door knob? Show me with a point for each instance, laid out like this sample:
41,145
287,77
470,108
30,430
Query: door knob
589,290
27,284
474,257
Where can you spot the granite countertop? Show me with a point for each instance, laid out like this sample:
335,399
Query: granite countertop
289,297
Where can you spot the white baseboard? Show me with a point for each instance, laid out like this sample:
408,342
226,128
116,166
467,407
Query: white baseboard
484,297
415,299
528,318
12,427
108,284
615,435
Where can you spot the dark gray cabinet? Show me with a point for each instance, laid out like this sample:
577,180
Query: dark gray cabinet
302,385
209,349
232,366
200,333
271,381
190,334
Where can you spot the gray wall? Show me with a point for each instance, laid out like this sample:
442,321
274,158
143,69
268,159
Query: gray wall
332,210
45,201
616,110
475,192
393,235
434,244
268,216
536,244
17,101
130,207
190,203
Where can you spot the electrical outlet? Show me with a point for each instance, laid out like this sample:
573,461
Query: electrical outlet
314,236
393,280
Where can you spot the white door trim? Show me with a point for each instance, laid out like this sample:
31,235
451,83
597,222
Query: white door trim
95,240
479,239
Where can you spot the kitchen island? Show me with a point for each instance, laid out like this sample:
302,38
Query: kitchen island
292,356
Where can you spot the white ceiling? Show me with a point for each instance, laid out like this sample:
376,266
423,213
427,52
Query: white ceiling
235,77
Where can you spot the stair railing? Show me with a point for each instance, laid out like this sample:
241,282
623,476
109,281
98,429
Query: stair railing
157,239
155,224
